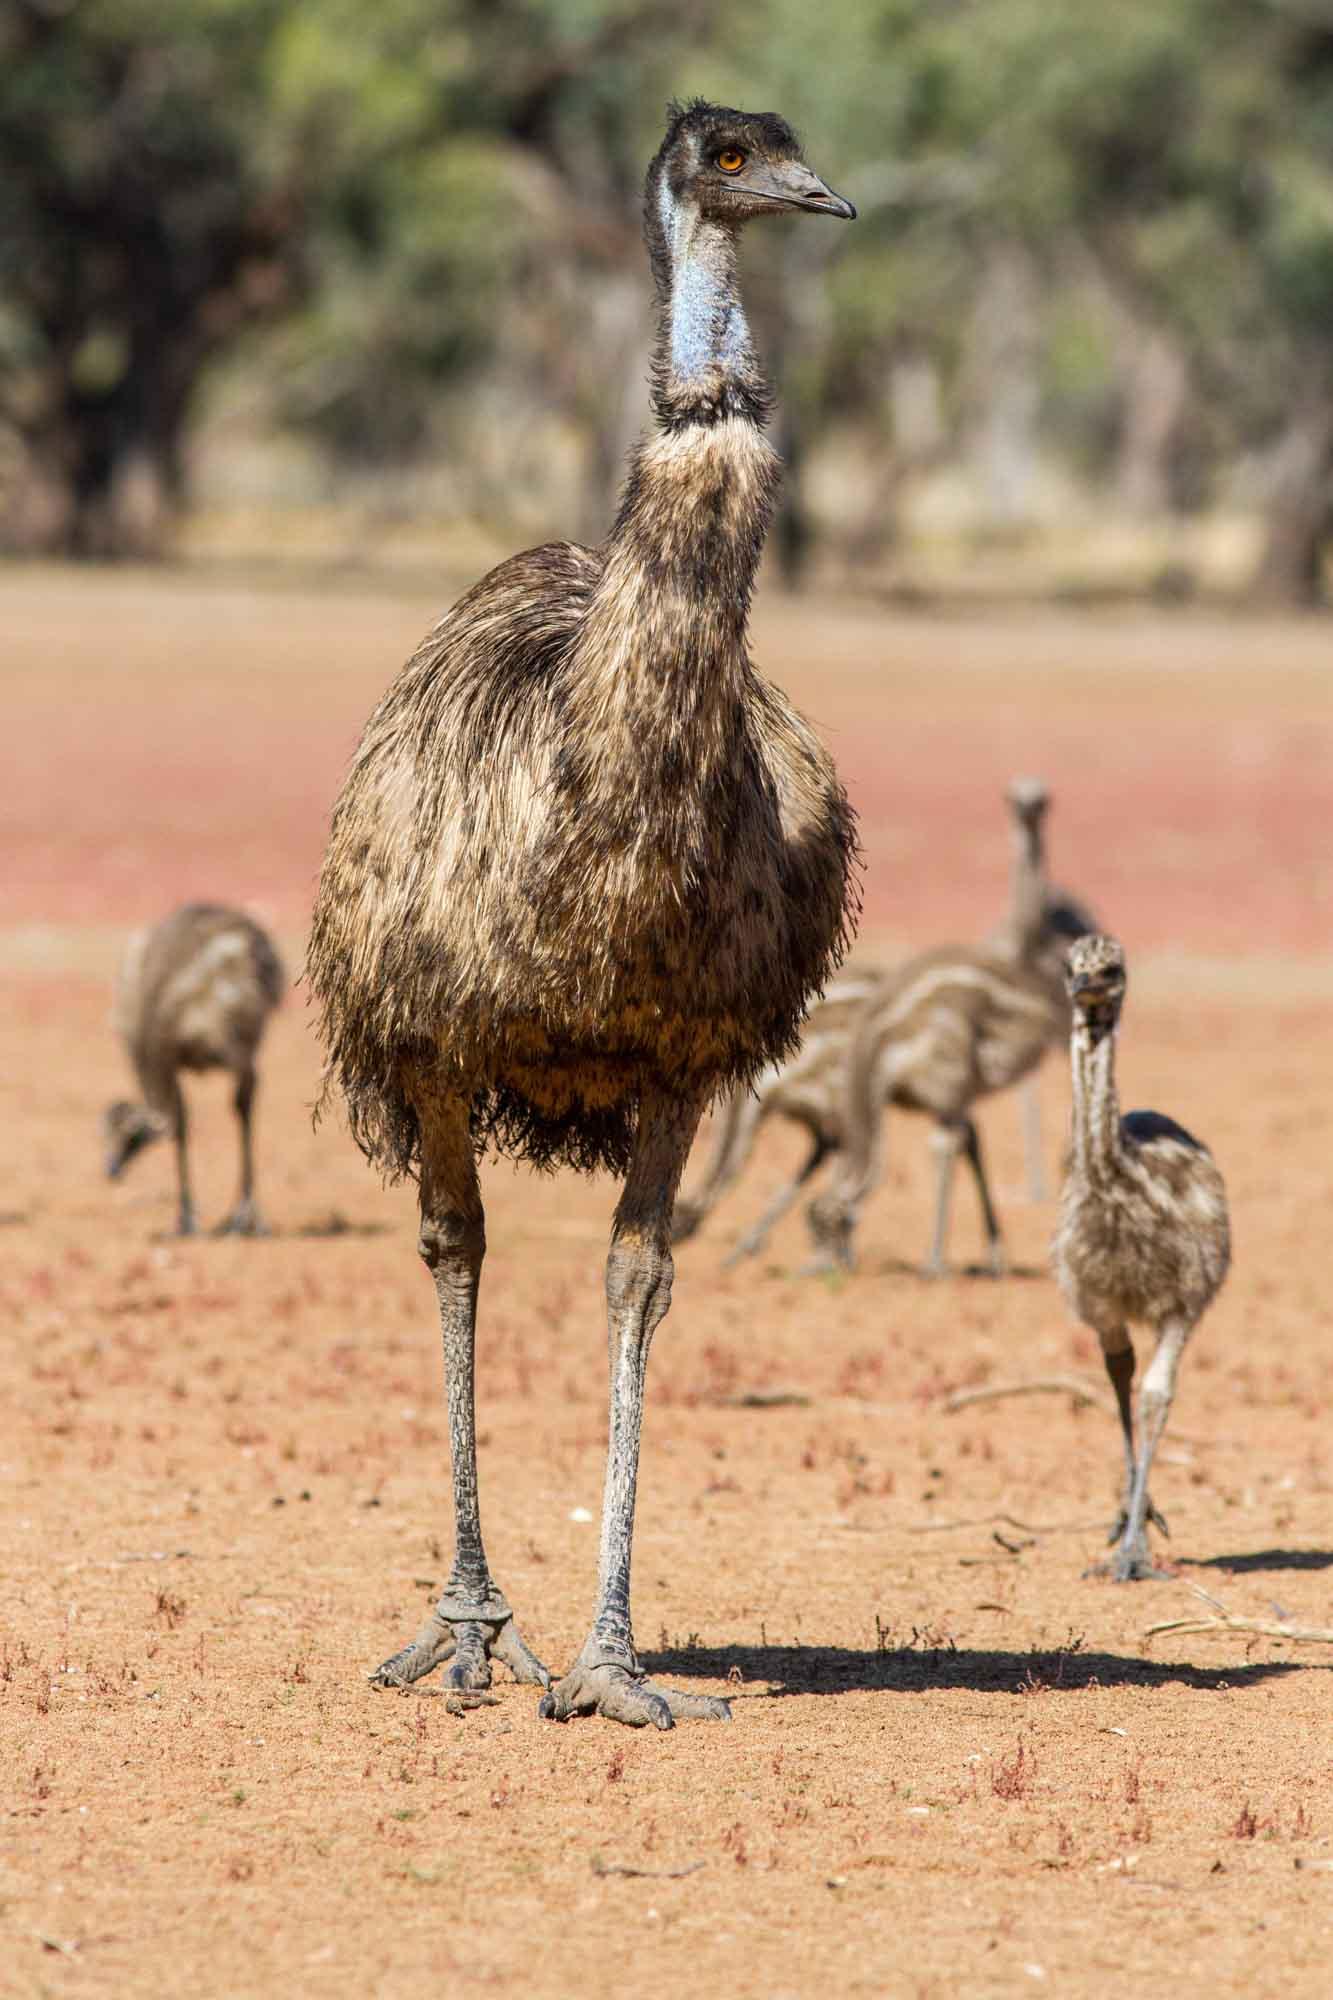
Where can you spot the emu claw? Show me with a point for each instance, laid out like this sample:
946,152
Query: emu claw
471,1643
1131,1563
244,1220
628,1696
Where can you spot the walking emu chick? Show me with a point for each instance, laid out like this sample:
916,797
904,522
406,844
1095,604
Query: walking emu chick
195,992
1143,1234
586,871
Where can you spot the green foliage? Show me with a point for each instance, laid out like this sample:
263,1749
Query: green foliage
430,193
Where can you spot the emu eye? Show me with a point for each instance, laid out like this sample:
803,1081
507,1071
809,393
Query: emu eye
730,160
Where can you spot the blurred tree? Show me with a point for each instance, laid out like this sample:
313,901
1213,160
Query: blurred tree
1102,238
146,214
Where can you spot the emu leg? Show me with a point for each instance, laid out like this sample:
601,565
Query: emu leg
1032,1149
945,1141
472,1623
185,1222
1131,1561
245,1219
755,1238
990,1221
607,1678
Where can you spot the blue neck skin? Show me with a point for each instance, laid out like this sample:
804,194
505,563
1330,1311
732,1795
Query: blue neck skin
709,335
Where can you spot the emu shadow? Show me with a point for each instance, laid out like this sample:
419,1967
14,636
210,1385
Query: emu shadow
903,1267
336,1224
798,1670
1263,1559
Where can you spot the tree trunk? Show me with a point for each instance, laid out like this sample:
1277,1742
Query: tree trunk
1300,512
104,473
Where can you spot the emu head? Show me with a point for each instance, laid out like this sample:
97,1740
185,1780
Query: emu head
128,1128
1095,983
1028,801
726,166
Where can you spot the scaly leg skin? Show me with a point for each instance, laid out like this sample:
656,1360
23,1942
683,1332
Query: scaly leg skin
607,1678
1132,1561
472,1624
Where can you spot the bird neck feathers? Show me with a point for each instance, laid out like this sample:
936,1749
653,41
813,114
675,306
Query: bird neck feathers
1098,1148
663,641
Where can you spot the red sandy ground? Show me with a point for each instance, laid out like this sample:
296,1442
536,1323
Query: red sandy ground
958,1765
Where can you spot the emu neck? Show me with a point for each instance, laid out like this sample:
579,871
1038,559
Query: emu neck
1027,903
1098,1150
154,1071
705,368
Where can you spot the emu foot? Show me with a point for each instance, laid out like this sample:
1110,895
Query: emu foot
244,1220
471,1636
1131,1563
601,1683
830,1225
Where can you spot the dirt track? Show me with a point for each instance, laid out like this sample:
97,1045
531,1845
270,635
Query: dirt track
957,1766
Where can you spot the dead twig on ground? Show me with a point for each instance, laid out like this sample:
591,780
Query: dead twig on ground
1040,1385
766,1399
1230,1621
601,1867
1008,1520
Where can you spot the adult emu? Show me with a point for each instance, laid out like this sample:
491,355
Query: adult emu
586,871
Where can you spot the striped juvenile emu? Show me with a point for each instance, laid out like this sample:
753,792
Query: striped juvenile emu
808,1089
586,871
195,992
945,1030
1143,1235
811,1088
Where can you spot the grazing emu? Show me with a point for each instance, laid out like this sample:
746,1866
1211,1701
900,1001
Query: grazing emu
1041,924
808,1089
948,1028
195,992
586,871
1143,1234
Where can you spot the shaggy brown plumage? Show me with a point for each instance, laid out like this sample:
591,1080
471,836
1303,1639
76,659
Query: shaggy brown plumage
588,868
1143,1235
195,993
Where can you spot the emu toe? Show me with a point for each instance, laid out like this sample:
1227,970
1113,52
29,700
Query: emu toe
471,1644
244,1220
628,1696
1131,1563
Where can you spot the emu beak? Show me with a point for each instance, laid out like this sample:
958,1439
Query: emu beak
795,185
